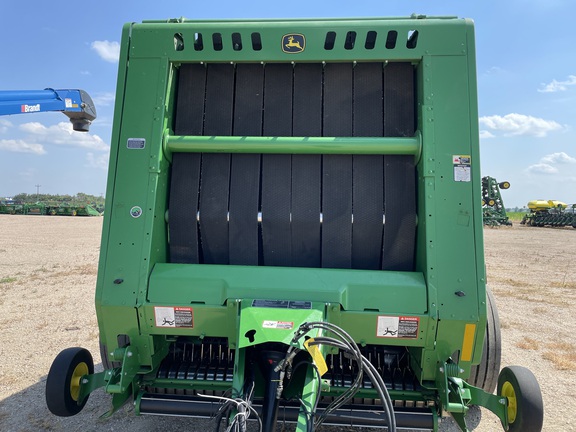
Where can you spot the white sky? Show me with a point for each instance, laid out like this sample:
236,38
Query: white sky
526,76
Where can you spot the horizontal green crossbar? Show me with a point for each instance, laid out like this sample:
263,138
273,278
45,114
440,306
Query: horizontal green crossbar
293,145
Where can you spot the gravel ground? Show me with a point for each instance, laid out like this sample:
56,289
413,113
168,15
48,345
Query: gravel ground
48,268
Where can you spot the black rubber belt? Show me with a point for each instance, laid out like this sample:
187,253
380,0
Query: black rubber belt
248,101
306,169
278,99
277,169
367,117
215,178
368,204
219,99
190,100
400,213
400,183
243,241
307,109
399,101
317,110
184,188
337,169
276,198
305,207
214,187
337,211
337,114
368,170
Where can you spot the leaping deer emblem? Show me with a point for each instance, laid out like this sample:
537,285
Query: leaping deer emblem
293,43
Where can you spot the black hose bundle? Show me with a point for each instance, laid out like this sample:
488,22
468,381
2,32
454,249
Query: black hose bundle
344,342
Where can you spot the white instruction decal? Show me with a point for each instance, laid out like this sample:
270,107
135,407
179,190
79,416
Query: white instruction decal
462,168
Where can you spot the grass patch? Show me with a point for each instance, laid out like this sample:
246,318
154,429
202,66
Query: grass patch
562,360
528,344
562,355
539,310
561,346
563,284
7,280
81,270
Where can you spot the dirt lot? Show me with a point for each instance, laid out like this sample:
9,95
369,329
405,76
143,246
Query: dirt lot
48,269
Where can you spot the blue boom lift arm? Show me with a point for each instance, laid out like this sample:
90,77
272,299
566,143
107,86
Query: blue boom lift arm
76,104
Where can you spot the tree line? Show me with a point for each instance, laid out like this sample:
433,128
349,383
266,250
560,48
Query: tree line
79,198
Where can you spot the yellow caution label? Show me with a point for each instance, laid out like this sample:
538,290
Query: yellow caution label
317,357
468,342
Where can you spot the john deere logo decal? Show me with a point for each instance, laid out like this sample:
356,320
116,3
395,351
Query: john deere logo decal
293,43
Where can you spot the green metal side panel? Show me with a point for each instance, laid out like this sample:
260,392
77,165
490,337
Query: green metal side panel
450,230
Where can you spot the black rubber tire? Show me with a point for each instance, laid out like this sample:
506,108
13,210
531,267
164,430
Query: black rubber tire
59,399
529,404
485,375
504,185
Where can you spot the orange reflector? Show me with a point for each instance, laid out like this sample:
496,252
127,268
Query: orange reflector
468,342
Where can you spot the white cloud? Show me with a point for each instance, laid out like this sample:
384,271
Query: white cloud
4,125
484,134
63,134
557,86
542,168
28,173
494,70
519,124
108,51
21,146
99,161
558,158
103,99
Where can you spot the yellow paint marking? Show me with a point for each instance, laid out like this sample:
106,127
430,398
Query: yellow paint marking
468,342
317,357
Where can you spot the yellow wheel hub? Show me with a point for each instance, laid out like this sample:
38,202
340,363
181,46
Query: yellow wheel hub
510,394
80,370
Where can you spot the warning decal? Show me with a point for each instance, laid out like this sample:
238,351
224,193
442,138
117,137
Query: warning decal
175,317
284,325
402,327
461,168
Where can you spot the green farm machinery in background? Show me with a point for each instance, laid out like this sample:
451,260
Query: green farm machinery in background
550,213
293,230
50,209
493,210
